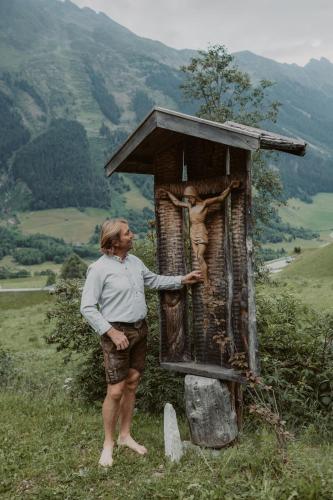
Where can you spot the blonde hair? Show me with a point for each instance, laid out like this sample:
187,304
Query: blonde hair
110,233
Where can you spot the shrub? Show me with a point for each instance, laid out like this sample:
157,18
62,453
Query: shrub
28,256
51,279
296,356
6,273
73,267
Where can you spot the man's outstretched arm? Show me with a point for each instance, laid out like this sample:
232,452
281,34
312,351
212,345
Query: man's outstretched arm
162,282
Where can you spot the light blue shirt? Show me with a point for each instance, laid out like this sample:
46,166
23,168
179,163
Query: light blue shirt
114,291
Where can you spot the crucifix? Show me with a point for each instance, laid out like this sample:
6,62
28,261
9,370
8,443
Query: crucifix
198,209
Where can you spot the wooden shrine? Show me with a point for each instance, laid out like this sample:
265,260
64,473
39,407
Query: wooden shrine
191,155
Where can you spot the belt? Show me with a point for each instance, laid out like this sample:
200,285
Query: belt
137,324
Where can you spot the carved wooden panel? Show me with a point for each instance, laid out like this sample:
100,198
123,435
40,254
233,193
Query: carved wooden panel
222,313
175,342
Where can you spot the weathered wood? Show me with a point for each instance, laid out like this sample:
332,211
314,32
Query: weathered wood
251,325
209,304
236,394
131,143
211,415
163,128
270,140
205,129
175,342
228,263
237,235
205,370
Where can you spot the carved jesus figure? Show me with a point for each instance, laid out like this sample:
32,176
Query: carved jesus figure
198,209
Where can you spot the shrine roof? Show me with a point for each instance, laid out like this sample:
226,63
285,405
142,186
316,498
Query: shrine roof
163,128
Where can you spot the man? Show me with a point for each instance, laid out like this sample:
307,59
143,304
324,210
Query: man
113,303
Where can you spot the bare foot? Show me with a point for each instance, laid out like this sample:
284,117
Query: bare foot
133,445
106,456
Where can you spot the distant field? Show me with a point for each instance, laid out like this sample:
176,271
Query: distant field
9,262
311,277
317,216
70,224
73,225
30,282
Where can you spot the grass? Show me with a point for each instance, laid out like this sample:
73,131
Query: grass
317,216
9,262
310,276
73,225
289,246
29,282
59,446
313,264
51,442
70,224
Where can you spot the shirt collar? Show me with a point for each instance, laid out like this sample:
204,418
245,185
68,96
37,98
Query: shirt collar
118,259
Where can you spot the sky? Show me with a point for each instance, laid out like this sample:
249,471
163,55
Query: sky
291,31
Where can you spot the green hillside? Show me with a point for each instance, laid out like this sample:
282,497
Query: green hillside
313,264
311,277
72,225
62,62
306,94
316,216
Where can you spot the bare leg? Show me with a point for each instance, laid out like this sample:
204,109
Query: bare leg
126,413
110,412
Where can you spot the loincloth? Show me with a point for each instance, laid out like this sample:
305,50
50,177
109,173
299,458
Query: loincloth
199,234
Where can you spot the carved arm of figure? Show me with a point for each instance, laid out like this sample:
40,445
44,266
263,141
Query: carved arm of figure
223,195
174,199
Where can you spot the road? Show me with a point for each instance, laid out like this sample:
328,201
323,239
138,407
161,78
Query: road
275,266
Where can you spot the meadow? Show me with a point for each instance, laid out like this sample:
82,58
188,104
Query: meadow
71,224
310,277
317,216
51,439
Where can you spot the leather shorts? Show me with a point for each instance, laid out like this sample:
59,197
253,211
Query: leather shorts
118,362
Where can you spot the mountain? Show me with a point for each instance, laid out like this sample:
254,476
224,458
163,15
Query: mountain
306,94
62,62
62,66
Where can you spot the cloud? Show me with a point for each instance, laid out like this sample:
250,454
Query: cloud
287,30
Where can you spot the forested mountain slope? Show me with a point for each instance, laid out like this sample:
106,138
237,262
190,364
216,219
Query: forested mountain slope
306,94
62,67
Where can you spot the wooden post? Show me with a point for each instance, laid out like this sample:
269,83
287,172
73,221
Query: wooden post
210,411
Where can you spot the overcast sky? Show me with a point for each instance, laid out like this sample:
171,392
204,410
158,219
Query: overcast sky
284,30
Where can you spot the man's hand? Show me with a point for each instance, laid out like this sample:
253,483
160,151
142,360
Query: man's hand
191,278
235,184
118,338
